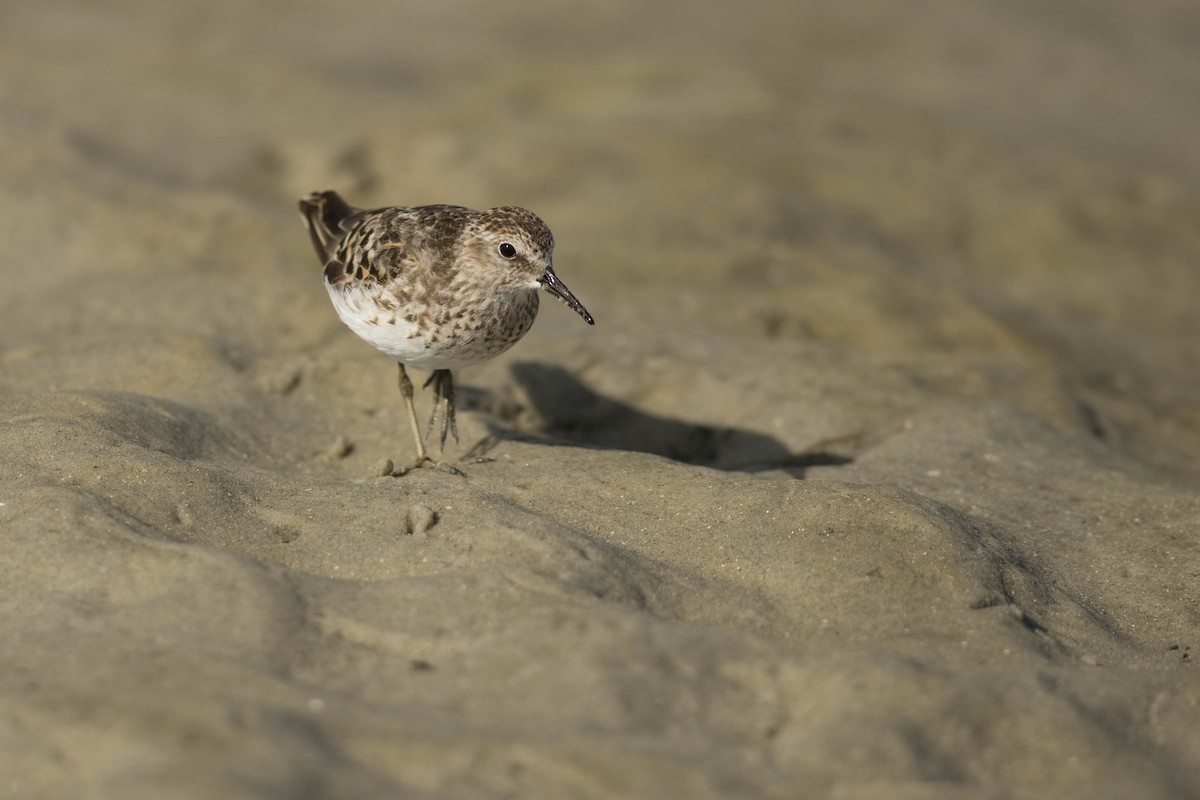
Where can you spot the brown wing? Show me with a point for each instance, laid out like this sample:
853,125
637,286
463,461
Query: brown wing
387,245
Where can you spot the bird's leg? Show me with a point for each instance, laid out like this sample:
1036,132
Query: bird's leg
443,390
423,459
406,389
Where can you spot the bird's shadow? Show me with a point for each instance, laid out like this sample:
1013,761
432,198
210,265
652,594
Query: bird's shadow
556,406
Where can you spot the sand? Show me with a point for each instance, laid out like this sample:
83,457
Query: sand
878,476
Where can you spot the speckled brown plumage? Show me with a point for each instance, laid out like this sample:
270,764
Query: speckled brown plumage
434,287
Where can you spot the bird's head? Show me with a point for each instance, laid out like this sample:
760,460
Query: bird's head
517,244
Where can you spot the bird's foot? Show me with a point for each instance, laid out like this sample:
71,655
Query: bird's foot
478,454
425,462
477,460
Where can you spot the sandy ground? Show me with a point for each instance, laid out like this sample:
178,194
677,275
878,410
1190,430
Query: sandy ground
877,477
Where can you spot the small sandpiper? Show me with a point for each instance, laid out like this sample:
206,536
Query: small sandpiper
434,287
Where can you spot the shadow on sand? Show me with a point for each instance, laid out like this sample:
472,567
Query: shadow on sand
563,409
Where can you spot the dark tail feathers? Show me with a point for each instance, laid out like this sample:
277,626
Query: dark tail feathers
328,218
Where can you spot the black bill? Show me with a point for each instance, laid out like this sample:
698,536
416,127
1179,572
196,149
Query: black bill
554,286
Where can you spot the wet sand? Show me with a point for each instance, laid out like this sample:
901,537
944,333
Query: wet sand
878,477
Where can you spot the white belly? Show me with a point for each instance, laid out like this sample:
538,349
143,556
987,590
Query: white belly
421,347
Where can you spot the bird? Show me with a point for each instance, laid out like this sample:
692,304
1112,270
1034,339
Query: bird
435,287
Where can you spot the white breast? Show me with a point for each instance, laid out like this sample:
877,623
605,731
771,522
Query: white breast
391,332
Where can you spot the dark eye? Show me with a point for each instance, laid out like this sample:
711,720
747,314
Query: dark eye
507,250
